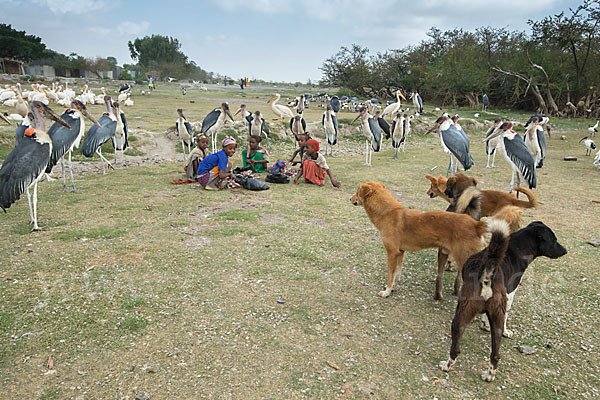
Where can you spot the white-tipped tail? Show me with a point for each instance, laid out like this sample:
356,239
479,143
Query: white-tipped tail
498,226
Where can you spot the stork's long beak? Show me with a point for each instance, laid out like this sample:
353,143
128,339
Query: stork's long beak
88,116
271,99
55,117
357,117
582,139
431,129
494,134
3,118
238,111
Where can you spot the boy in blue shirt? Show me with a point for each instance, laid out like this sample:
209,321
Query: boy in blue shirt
216,168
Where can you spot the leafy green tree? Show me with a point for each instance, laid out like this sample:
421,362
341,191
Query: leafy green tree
18,45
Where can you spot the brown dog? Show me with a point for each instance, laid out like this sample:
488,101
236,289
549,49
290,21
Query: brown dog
403,230
493,202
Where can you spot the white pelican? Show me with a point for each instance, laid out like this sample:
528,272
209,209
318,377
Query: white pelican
394,108
279,110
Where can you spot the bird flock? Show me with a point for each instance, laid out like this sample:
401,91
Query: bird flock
37,149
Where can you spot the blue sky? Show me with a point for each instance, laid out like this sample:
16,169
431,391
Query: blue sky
279,40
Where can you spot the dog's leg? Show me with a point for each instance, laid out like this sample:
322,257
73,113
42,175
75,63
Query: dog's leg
394,260
485,323
496,325
399,261
442,260
463,315
508,333
458,280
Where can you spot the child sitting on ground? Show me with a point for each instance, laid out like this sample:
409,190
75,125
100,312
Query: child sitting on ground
302,138
216,168
196,156
314,167
255,157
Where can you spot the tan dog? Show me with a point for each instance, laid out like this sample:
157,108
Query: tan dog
493,202
403,230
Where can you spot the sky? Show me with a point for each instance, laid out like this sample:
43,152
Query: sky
273,40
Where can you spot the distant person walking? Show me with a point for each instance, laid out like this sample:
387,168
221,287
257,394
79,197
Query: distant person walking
150,83
486,102
242,82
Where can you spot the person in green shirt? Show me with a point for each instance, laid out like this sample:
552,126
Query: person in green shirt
255,157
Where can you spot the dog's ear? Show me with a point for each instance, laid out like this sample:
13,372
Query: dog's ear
473,180
431,178
365,190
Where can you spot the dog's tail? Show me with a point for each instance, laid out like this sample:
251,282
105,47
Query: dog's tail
532,200
469,202
494,254
512,215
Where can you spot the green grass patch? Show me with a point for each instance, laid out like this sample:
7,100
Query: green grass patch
94,233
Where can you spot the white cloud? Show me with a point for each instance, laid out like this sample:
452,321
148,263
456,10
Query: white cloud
128,28
71,7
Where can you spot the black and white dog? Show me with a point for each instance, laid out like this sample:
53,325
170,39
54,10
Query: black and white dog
491,278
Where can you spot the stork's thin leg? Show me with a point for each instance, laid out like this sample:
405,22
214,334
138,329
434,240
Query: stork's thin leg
488,163
62,166
123,157
182,148
512,181
30,208
396,152
35,224
49,178
404,145
71,174
449,167
370,155
518,182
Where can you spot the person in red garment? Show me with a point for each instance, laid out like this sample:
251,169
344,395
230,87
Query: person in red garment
314,167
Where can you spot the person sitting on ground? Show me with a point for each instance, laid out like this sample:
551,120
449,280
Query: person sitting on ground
314,167
255,157
196,155
302,139
216,168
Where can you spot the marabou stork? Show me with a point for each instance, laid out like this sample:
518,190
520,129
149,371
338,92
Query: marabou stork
385,127
298,127
398,133
372,133
245,113
64,139
535,140
490,146
542,120
593,129
335,104
258,126
516,154
589,145
417,101
25,165
97,136
278,109
455,142
214,121
184,131
394,108
597,159
119,139
330,126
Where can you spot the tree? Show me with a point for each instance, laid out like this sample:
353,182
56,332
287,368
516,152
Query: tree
18,45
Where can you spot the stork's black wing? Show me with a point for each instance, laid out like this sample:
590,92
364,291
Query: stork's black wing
303,122
62,137
96,136
24,164
520,155
385,127
376,131
249,118
455,141
264,126
210,119
541,137
420,101
189,128
126,129
335,127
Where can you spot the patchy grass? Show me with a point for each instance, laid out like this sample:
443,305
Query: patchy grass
249,294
